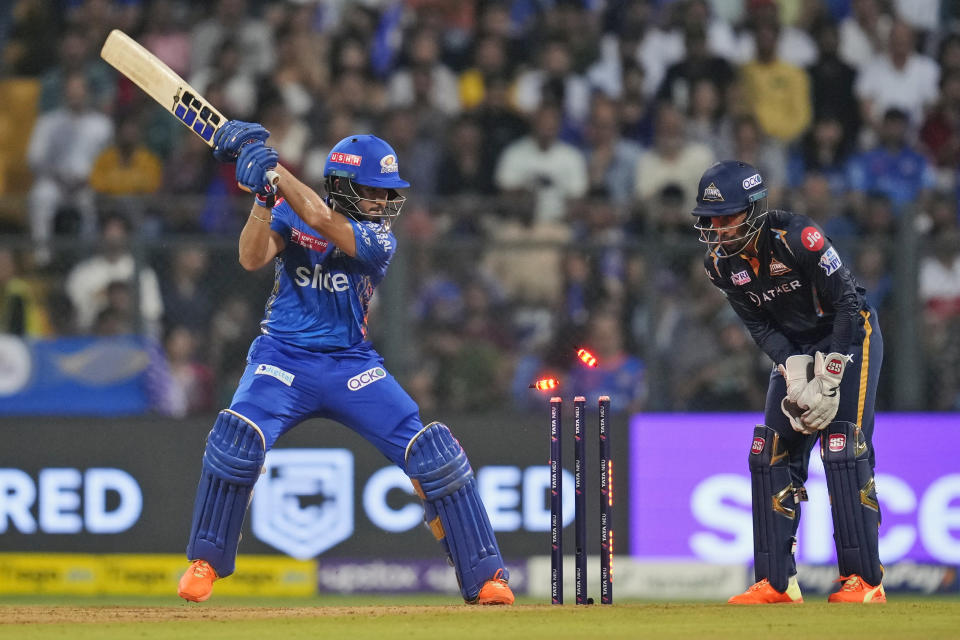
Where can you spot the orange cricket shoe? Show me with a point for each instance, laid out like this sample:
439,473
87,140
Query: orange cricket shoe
495,591
855,589
196,585
762,593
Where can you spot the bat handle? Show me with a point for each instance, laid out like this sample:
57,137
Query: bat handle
273,177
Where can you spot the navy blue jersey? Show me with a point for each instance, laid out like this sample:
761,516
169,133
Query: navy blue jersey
798,296
320,295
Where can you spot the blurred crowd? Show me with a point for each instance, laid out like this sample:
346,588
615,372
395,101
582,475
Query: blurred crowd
554,147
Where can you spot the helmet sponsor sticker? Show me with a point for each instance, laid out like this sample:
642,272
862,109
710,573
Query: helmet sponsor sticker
274,372
369,376
388,164
757,446
812,239
752,181
346,158
712,194
740,278
837,442
830,261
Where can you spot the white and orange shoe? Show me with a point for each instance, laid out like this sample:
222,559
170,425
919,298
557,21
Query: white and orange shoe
196,584
495,591
855,589
763,593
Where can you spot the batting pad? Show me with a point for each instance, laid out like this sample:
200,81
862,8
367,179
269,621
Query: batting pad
442,477
853,501
776,512
231,465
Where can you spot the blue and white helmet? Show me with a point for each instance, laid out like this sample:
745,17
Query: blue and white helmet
728,188
366,160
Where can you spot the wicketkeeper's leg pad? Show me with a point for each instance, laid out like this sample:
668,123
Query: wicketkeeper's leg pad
442,477
776,510
853,500
231,465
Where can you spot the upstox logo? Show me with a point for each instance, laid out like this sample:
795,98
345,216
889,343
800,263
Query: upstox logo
369,376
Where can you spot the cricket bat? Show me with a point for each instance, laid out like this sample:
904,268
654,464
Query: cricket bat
161,83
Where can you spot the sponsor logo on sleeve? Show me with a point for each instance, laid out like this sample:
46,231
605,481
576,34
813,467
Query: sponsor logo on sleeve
346,158
369,376
712,194
830,261
388,164
740,278
306,240
812,239
777,268
752,181
757,447
275,372
837,442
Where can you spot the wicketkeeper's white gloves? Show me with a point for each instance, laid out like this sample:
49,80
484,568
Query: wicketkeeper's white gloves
797,371
821,396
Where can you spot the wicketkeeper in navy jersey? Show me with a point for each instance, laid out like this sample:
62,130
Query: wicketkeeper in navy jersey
805,309
312,359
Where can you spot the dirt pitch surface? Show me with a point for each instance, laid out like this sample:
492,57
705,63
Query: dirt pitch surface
98,615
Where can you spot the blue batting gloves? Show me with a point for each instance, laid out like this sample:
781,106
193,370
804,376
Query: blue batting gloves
252,164
230,138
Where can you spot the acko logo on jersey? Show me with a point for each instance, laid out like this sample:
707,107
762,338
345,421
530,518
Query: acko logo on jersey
757,446
388,164
369,376
303,504
830,261
740,278
837,442
752,181
812,239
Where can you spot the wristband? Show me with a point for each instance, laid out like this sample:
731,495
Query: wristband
266,201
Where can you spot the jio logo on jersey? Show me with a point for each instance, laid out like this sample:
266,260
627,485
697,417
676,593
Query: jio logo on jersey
303,504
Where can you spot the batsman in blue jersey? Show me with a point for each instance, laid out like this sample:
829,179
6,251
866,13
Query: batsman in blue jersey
312,359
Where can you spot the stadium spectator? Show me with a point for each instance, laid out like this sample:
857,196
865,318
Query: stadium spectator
611,159
127,167
618,374
21,313
793,46
424,77
822,150
232,19
187,299
698,65
63,147
831,85
864,33
77,57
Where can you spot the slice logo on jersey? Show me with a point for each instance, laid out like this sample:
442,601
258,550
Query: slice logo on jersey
830,261
757,446
812,239
834,366
275,372
837,442
740,278
333,282
369,376
388,164
712,194
752,181
306,240
346,158
777,268
303,504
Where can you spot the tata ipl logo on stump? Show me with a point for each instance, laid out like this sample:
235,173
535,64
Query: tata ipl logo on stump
303,504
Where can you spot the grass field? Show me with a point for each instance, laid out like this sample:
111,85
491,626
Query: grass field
355,618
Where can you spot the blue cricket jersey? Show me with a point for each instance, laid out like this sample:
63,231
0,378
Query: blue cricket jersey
320,295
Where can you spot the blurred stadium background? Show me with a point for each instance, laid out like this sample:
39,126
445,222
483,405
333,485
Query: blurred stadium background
554,147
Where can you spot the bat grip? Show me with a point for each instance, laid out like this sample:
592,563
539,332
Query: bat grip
273,177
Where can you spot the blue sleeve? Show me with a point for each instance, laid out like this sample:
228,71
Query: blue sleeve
282,218
375,247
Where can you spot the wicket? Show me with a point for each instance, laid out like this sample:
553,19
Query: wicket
580,501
